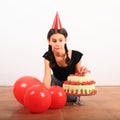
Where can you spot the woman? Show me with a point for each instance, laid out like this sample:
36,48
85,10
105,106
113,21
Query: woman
61,60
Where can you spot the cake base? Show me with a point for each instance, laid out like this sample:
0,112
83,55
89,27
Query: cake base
78,102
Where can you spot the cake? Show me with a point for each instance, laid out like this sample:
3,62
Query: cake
79,85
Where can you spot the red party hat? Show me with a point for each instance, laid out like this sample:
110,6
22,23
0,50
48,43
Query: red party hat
57,24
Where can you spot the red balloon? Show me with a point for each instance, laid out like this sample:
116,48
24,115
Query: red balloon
58,97
37,99
21,85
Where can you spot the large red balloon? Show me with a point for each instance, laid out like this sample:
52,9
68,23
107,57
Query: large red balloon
37,99
58,97
21,85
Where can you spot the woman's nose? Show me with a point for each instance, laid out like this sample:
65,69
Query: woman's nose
57,43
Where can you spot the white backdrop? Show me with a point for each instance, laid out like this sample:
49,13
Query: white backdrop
93,27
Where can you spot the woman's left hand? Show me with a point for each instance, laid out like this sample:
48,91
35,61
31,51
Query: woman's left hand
84,70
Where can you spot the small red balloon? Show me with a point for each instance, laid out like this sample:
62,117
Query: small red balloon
37,99
58,97
21,85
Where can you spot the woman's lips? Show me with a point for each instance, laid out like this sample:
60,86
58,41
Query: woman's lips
57,48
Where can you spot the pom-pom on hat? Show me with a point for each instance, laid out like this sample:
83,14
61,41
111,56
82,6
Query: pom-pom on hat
57,23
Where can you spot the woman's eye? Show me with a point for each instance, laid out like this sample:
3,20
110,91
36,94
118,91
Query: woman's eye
53,40
61,40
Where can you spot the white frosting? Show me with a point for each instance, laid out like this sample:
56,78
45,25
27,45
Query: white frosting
79,88
84,88
79,78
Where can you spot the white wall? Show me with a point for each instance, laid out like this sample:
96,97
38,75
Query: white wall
93,27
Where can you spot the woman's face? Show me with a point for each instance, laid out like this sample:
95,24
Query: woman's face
57,41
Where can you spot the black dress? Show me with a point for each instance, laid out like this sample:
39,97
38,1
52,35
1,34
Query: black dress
60,74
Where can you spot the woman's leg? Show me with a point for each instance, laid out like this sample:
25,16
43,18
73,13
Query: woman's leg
55,81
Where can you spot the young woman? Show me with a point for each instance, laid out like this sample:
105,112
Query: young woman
61,60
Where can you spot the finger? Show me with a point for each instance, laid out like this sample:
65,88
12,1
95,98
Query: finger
83,69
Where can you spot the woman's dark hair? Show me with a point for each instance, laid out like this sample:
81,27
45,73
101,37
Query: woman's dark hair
54,31
50,33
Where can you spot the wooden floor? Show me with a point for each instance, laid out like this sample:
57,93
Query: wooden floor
105,105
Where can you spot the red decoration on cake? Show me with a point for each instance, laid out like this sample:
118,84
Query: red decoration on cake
79,85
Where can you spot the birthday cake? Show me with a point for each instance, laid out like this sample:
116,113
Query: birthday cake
79,85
